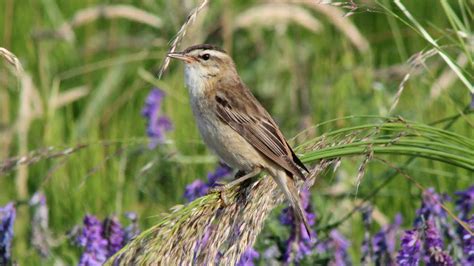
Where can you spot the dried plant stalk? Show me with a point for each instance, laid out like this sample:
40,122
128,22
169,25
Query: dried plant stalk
196,233
180,35
446,79
30,107
273,14
12,59
115,11
340,21
90,14
212,225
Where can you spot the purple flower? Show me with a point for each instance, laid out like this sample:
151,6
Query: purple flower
132,230
40,233
433,245
298,247
465,202
115,235
198,188
299,244
338,245
7,220
468,243
157,124
430,207
472,101
271,253
201,244
195,190
380,246
221,171
287,216
384,243
95,245
248,258
366,247
410,248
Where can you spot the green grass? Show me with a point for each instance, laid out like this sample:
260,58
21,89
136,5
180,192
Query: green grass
303,78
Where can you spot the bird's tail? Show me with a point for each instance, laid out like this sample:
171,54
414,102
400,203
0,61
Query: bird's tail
287,185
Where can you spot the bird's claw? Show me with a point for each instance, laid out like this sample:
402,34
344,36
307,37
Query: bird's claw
221,190
218,184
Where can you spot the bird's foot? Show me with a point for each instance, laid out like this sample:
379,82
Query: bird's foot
240,177
222,193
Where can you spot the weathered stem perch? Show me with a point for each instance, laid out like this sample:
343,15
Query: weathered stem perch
198,232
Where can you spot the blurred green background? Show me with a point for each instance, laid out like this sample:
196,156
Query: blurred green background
92,63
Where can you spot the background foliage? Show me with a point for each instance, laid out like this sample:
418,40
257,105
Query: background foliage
308,65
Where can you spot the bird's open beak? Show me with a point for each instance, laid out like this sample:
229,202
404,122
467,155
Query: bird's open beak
182,57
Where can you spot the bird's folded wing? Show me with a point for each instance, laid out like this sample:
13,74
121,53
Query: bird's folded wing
256,126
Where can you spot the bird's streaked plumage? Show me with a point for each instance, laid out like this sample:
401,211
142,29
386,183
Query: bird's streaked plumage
234,124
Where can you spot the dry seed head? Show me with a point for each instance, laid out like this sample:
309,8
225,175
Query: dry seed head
12,59
180,35
229,229
276,14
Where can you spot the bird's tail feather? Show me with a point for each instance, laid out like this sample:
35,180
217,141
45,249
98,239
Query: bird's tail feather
287,185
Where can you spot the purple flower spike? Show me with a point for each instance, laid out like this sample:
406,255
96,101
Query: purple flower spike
299,244
198,188
468,243
287,216
114,234
380,246
132,230
366,247
40,234
391,233
431,207
271,253
195,190
465,202
384,243
434,247
472,101
7,220
248,258
157,124
339,245
221,171
409,254
91,238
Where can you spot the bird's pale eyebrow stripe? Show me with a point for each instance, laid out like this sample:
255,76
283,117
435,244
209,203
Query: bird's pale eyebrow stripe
213,53
203,47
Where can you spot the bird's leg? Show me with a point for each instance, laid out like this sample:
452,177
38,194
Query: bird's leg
239,174
241,177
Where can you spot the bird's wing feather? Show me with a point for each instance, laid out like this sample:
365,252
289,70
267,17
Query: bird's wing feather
239,109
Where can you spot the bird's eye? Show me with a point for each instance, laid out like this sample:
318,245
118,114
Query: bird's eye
205,56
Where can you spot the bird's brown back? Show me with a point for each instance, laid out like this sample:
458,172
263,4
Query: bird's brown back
237,106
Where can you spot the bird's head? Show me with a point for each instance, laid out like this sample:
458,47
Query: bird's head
205,61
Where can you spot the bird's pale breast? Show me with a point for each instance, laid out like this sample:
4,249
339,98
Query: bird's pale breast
232,148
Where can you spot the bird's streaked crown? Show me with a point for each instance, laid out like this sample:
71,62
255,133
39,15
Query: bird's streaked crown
203,47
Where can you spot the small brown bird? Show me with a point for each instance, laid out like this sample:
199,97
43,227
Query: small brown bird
235,125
